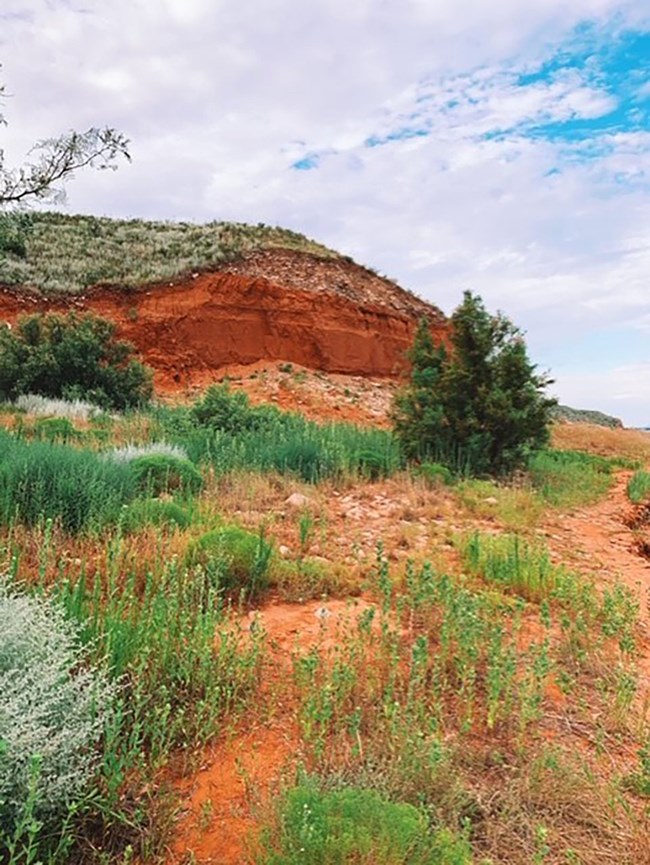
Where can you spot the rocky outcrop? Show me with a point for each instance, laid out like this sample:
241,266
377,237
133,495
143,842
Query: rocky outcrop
209,320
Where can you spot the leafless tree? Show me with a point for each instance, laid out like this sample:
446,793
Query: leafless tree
56,160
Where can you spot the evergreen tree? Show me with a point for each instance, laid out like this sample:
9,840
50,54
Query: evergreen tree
481,407
418,407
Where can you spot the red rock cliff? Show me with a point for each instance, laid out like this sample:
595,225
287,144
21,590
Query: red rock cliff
207,321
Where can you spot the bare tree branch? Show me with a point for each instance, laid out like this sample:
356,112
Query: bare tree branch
59,159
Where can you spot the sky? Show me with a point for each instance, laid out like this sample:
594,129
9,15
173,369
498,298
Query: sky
501,146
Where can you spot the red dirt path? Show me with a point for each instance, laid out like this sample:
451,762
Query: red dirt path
248,765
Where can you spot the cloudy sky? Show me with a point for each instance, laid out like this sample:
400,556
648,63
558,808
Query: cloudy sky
497,145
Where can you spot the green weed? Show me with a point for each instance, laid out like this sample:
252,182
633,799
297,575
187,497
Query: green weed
332,827
638,487
571,478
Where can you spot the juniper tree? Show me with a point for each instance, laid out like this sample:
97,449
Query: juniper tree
481,405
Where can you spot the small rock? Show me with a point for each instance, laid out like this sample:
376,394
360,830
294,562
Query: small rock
490,500
284,551
297,500
319,560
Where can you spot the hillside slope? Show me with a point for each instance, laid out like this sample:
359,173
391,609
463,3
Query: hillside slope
270,295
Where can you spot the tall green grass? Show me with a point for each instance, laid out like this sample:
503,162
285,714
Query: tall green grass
170,642
571,478
238,436
638,487
526,569
41,480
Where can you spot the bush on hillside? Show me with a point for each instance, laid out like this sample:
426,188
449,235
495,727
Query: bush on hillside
53,712
480,407
434,475
153,512
74,357
228,411
374,464
53,429
234,559
159,473
15,228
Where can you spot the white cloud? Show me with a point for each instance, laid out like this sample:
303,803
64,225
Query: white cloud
622,391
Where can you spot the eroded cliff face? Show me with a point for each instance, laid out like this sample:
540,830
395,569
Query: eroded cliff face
195,327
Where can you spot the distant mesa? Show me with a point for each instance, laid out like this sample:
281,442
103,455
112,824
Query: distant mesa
566,414
196,298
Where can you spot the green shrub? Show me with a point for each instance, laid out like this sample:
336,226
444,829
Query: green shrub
77,488
160,473
155,512
638,487
229,411
51,719
306,459
434,474
71,356
234,559
355,825
55,429
373,464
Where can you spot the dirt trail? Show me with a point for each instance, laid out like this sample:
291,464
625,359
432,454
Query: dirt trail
596,540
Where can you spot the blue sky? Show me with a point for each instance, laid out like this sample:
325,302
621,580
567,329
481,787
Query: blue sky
502,146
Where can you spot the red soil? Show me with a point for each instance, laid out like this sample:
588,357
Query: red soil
246,768
243,772
188,329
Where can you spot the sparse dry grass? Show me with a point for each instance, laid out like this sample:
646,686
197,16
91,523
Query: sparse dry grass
628,443
553,803
512,507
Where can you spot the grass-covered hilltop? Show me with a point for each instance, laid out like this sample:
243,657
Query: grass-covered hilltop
60,253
